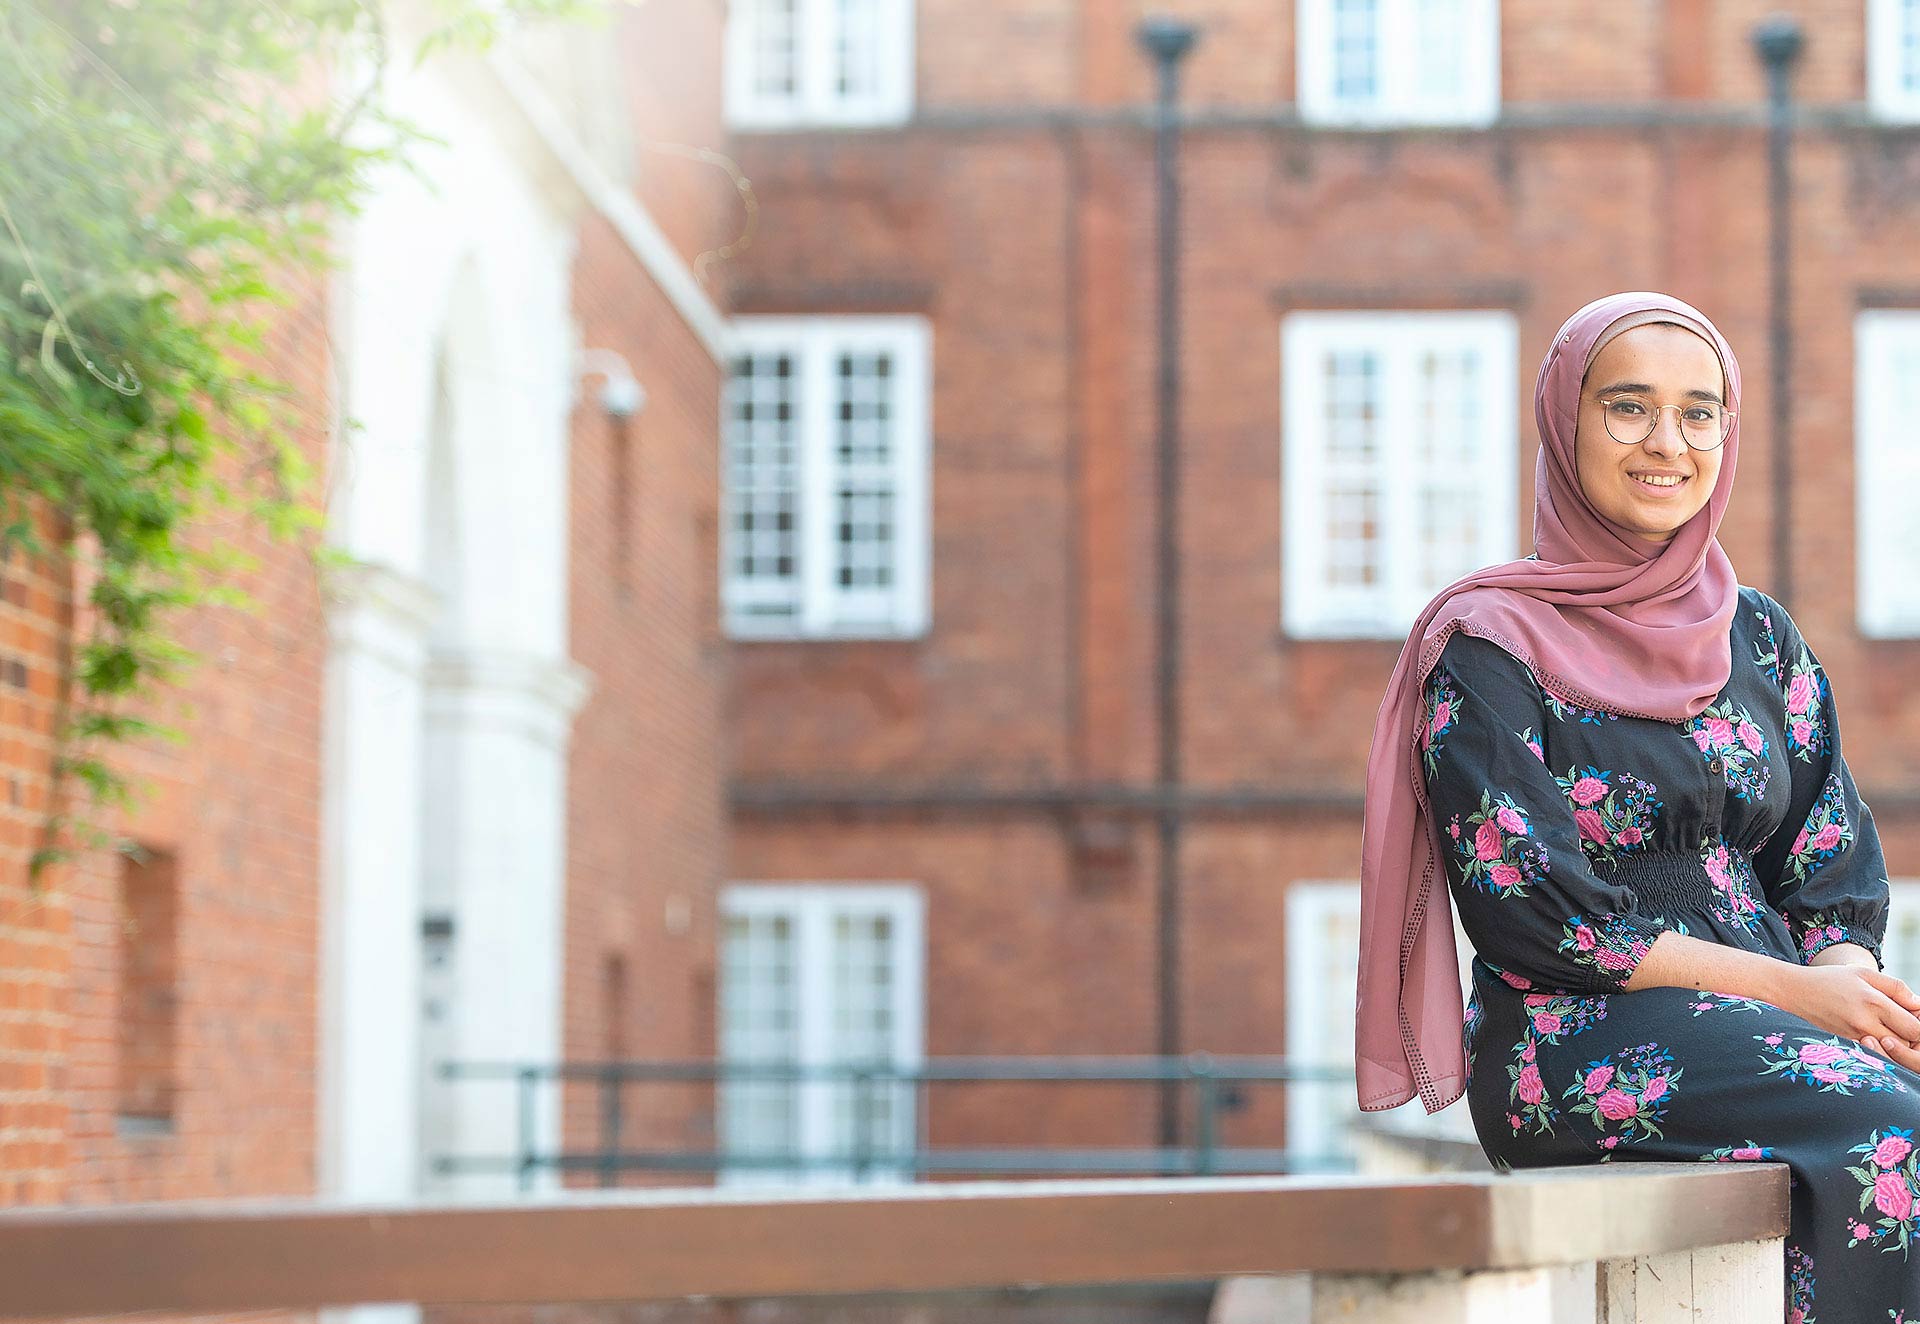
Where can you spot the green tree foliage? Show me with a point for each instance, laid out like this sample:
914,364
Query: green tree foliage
169,169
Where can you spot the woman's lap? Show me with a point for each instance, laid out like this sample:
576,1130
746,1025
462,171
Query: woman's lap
1671,1073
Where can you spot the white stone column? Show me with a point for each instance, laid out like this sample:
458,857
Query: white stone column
494,840
370,903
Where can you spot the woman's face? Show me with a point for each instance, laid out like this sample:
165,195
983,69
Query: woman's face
1655,364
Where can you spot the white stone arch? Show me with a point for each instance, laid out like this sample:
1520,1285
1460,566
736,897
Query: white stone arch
450,692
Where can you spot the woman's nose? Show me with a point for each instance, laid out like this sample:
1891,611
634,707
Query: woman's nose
1666,437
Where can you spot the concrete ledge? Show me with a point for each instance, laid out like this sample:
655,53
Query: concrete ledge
672,1243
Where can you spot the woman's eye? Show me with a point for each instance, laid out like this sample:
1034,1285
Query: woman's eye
1700,415
1624,406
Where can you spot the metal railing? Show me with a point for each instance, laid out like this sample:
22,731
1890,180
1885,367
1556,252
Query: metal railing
1213,1084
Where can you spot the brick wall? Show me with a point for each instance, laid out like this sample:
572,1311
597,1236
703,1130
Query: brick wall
36,923
1026,239
645,819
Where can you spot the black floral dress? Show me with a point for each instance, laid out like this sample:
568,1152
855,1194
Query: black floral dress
1572,838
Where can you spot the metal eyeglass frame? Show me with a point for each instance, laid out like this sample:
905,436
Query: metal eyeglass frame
1726,428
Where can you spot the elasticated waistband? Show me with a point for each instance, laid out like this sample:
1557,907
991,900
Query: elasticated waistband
1670,879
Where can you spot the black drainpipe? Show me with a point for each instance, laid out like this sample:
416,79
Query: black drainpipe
1167,41
1778,40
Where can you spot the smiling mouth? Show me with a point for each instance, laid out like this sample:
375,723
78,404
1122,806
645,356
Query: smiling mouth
1658,487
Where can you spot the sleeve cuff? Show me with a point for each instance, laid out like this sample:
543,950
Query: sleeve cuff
1611,946
1814,938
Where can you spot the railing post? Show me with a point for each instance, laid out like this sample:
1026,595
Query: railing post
862,1122
1206,1106
610,1082
529,1076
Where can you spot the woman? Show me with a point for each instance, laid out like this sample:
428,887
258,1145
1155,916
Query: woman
1628,767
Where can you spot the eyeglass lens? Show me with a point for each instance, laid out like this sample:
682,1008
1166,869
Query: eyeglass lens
1703,423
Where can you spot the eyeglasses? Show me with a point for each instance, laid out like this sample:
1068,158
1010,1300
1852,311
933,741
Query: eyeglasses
1631,420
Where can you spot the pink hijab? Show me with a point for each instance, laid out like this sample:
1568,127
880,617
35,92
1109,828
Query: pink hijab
1610,621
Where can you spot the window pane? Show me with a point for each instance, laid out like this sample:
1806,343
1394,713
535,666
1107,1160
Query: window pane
1910,45
865,480
763,481
857,49
1449,444
759,1023
1356,50
773,47
1440,53
1353,499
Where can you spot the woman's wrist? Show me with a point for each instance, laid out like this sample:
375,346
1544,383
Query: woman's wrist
1844,953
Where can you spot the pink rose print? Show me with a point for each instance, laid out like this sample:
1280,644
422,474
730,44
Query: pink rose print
1892,1196
1518,981
1828,1076
1536,1000
1454,829
1610,1142
1486,841
1700,739
1513,1121
1890,1151
1505,876
1773,1038
1510,820
1546,1023
1655,1090
1802,730
1827,837
1589,790
1617,1106
1800,842
1598,1079
1800,693
1439,721
1531,1088
1629,836
1583,938
1750,737
1527,1054
1861,1230
1749,1153
1820,1055
1719,731
1538,752
1590,825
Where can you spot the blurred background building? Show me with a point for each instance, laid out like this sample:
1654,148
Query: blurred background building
763,645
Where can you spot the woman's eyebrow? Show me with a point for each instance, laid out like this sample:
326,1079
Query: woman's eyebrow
1644,389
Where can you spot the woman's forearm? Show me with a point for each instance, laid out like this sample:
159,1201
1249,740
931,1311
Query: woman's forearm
1675,960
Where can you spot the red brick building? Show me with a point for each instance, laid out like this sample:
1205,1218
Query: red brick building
1381,224
515,374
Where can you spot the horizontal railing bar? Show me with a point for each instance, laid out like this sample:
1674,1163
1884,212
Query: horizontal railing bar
957,1159
674,1243
983,1069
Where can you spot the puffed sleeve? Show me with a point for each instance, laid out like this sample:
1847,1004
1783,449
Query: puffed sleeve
1823,868
1528,896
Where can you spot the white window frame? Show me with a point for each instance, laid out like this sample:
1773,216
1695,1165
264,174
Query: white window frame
814,101
1311,608
1886,467
812,907
1888,97
1321,980
823,609
1397,35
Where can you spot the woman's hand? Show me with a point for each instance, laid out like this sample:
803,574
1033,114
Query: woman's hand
1893,1049
1859,1002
